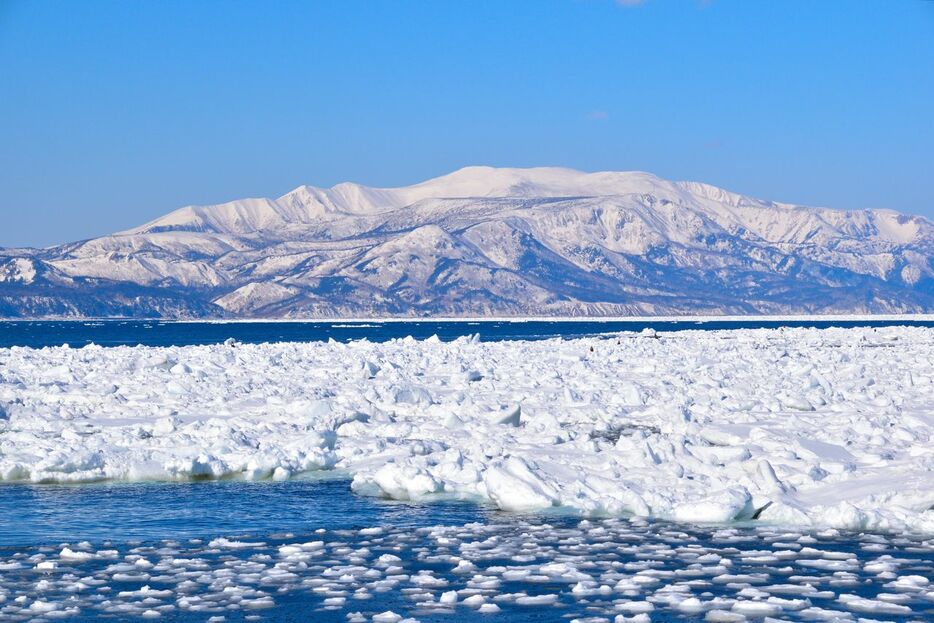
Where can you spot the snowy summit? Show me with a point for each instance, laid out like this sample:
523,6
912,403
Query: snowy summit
481,240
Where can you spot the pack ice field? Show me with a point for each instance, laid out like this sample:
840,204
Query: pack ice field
795,427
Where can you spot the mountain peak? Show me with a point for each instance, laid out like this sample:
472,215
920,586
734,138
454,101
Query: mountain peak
485,240
484,181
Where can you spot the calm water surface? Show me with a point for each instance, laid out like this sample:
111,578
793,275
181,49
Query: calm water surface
314,551
159,333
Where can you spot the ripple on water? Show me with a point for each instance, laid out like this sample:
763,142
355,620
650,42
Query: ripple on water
313,551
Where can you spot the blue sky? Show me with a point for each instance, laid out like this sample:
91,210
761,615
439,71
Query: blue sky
113,113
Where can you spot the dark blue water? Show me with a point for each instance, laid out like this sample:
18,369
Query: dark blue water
160,333
35,515
314,551
189,574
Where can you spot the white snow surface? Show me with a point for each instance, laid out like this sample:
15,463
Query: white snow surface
828,427
487,241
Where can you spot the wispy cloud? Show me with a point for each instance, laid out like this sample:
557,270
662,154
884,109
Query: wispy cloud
701,4
598,115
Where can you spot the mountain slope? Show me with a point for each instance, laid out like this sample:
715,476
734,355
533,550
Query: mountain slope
544,241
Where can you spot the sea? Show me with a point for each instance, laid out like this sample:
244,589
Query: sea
76,333
309,549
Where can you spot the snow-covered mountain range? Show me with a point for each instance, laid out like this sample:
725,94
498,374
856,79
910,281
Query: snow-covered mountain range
487,241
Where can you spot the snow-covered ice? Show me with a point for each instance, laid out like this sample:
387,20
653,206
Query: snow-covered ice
825,427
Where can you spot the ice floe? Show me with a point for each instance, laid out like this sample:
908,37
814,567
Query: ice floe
828,427
526,568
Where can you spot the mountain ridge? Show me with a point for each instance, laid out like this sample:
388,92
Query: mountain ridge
487,241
